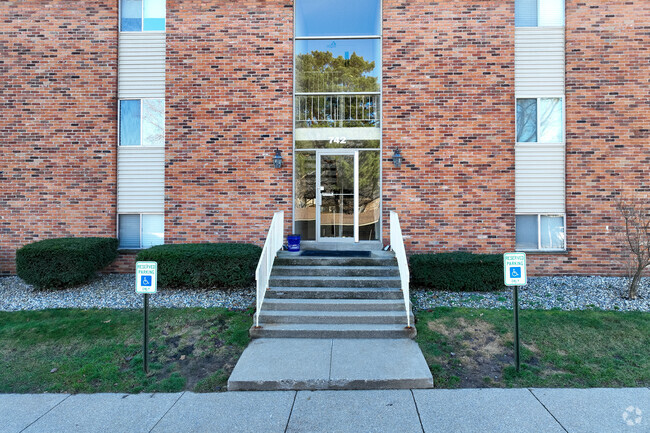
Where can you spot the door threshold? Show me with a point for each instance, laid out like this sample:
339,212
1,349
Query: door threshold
341,246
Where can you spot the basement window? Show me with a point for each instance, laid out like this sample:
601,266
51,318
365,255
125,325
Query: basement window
142,122
540,232
136,231
142,15
539,13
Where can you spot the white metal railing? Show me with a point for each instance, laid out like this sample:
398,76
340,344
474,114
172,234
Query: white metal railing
272,245
337,110
397,245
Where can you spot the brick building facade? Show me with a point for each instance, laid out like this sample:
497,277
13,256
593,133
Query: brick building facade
448,93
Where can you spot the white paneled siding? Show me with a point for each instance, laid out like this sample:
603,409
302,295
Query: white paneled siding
141,65
539,61
140,179
539,178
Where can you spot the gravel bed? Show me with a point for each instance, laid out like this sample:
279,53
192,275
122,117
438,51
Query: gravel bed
565,293
115,291
118,291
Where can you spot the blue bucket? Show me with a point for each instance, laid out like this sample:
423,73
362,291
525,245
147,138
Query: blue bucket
293,242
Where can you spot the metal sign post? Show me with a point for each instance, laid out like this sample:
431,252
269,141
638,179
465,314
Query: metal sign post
517,345
514,267
146,282
145,343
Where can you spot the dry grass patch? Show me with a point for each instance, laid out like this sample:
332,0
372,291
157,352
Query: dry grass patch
475,348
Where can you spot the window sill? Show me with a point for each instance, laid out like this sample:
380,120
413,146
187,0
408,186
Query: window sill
543,251
142,31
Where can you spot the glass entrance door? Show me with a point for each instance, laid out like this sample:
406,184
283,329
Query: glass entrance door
338,196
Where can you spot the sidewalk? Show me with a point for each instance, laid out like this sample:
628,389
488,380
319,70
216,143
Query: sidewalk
428,410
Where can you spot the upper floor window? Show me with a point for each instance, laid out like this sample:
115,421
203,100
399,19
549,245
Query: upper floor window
142,15
539,13
142,122
539,120
338,18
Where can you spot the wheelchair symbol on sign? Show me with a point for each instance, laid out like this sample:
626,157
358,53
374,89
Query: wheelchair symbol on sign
145,281
515,272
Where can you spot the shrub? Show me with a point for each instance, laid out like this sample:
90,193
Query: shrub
64,262
204,266
457,271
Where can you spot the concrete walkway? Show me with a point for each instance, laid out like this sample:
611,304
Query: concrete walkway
274,364
420,410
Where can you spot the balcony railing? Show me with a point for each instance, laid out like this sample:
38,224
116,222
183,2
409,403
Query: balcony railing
337,110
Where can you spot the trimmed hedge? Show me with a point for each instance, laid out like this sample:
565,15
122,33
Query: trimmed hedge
204,266
457,271
64,262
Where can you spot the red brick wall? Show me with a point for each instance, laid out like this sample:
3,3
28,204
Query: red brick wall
57,122
229,93
448,85
124,264
608,124
449,106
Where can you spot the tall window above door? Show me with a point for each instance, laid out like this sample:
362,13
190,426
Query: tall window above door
316,18
337,72
337,105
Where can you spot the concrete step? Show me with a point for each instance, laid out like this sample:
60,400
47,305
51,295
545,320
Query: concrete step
333,261
336,271
284,260
332,293
271,304
376,254
336,281
310,330
302,364
343,318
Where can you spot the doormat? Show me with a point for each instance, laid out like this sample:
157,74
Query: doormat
328,253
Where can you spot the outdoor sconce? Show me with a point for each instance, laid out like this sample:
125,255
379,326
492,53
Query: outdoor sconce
397,158
277,159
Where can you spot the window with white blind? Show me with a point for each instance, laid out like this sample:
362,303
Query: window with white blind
142,122
540,120
540,232
137,231
142,15
539,13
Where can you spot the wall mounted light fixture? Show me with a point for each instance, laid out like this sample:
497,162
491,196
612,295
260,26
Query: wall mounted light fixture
277,159
397,158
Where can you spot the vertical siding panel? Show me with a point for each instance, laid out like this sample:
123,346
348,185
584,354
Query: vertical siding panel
539,178
140,179
539,167
539,61
141,65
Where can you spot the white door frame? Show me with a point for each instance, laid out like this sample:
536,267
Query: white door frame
319,198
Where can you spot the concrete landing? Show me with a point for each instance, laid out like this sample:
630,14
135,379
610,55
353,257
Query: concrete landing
270,364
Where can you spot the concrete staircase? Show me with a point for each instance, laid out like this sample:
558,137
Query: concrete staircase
334,323
333,297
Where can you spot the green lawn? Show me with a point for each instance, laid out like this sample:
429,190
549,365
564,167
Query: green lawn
474,348
70,350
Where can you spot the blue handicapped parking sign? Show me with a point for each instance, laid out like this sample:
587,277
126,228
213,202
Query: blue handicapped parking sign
515,272
145,277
